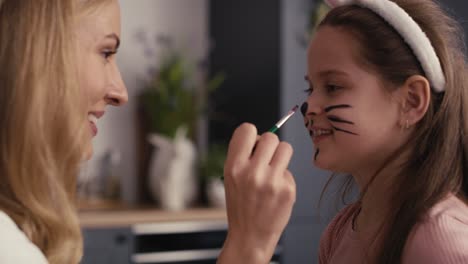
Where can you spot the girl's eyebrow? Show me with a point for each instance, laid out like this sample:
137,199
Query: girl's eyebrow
327,73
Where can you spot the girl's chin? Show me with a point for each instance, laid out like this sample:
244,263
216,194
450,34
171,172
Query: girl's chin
330,167
324,164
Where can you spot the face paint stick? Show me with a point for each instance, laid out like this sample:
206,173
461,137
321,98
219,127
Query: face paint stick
283,120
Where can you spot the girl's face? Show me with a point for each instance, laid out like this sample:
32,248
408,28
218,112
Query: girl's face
352,119
99,75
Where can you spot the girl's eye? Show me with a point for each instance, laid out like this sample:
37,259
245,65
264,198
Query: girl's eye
332,88
309,90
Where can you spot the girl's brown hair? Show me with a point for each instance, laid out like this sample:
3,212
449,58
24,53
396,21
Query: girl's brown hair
439,145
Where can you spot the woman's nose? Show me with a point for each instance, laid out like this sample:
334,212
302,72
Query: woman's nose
117,94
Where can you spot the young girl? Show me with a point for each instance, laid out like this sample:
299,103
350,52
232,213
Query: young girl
388,104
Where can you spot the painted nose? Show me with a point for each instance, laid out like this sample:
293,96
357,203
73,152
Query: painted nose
304,108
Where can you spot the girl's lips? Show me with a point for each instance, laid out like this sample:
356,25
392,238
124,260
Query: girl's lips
317,139
318,134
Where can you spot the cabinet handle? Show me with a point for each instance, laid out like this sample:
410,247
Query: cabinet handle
176,256
120,239
179,227
184,255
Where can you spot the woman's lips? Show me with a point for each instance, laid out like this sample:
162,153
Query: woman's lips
94,128
92,124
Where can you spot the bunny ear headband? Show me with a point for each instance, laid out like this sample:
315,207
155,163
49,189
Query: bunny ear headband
410,31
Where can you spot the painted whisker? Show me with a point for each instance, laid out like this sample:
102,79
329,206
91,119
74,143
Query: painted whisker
316,154
344,131
339,120
333,107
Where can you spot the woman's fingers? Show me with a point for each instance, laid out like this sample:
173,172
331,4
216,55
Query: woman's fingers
260,191
259,175
290,187
241,144
264,150
282,156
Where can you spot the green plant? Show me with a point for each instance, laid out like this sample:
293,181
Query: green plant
171,99
318,13
166,101
212,165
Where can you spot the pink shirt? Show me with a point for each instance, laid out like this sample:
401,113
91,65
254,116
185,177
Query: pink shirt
441,238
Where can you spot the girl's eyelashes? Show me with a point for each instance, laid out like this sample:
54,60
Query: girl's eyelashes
331,88
309,90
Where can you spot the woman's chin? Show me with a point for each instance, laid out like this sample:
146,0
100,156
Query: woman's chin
88,153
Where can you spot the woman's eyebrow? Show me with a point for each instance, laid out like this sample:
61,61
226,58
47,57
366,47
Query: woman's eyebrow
115,37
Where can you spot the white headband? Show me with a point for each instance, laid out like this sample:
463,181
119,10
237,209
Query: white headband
410,31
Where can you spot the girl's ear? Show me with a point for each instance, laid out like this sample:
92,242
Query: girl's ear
415,95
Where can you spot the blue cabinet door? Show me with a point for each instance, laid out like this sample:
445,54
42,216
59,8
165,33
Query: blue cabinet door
107,246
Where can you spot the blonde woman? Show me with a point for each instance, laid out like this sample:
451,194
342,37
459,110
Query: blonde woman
58,76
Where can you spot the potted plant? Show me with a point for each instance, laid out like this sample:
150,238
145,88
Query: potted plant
172,105
168,101
212,171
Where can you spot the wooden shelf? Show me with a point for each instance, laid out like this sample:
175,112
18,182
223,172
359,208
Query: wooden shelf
130,217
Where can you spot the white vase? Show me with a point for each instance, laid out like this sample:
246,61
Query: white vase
215,193
172,175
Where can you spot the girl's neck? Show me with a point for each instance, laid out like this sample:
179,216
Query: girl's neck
377,195
373,208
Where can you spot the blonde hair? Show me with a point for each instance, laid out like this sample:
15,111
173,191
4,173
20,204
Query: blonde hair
89,6
42,131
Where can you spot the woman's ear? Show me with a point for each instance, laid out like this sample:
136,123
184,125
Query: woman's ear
415,95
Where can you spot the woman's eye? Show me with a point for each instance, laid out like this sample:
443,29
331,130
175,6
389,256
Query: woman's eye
108,53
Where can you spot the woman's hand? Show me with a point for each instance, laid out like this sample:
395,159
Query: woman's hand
260,194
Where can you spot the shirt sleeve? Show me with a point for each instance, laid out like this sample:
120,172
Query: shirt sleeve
439,240
15,247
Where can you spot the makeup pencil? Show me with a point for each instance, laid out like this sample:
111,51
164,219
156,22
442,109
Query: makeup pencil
283,120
